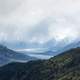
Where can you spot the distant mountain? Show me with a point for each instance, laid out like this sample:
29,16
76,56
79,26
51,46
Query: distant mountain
50,47
8,55
52,51
65,66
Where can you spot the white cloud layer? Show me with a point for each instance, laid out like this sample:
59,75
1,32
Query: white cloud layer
39,20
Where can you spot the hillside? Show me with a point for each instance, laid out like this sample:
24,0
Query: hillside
8,56
65,66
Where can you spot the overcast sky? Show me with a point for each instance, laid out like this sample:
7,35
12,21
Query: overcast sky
39,20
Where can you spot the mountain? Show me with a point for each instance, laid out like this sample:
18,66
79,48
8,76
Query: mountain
65,66
8,56
46,53
49,48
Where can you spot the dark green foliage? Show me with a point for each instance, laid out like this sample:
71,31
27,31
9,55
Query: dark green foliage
65,66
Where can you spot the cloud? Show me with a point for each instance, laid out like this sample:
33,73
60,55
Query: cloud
63,28
8,6
39,20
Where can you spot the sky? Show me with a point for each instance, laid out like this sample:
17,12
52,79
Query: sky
36,22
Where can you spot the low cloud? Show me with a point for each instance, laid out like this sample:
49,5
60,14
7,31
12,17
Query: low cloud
39,20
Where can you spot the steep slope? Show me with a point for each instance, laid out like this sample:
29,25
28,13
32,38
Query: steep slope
65,66
8,55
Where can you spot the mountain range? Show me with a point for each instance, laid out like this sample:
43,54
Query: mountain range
64,66
7,56
56,49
